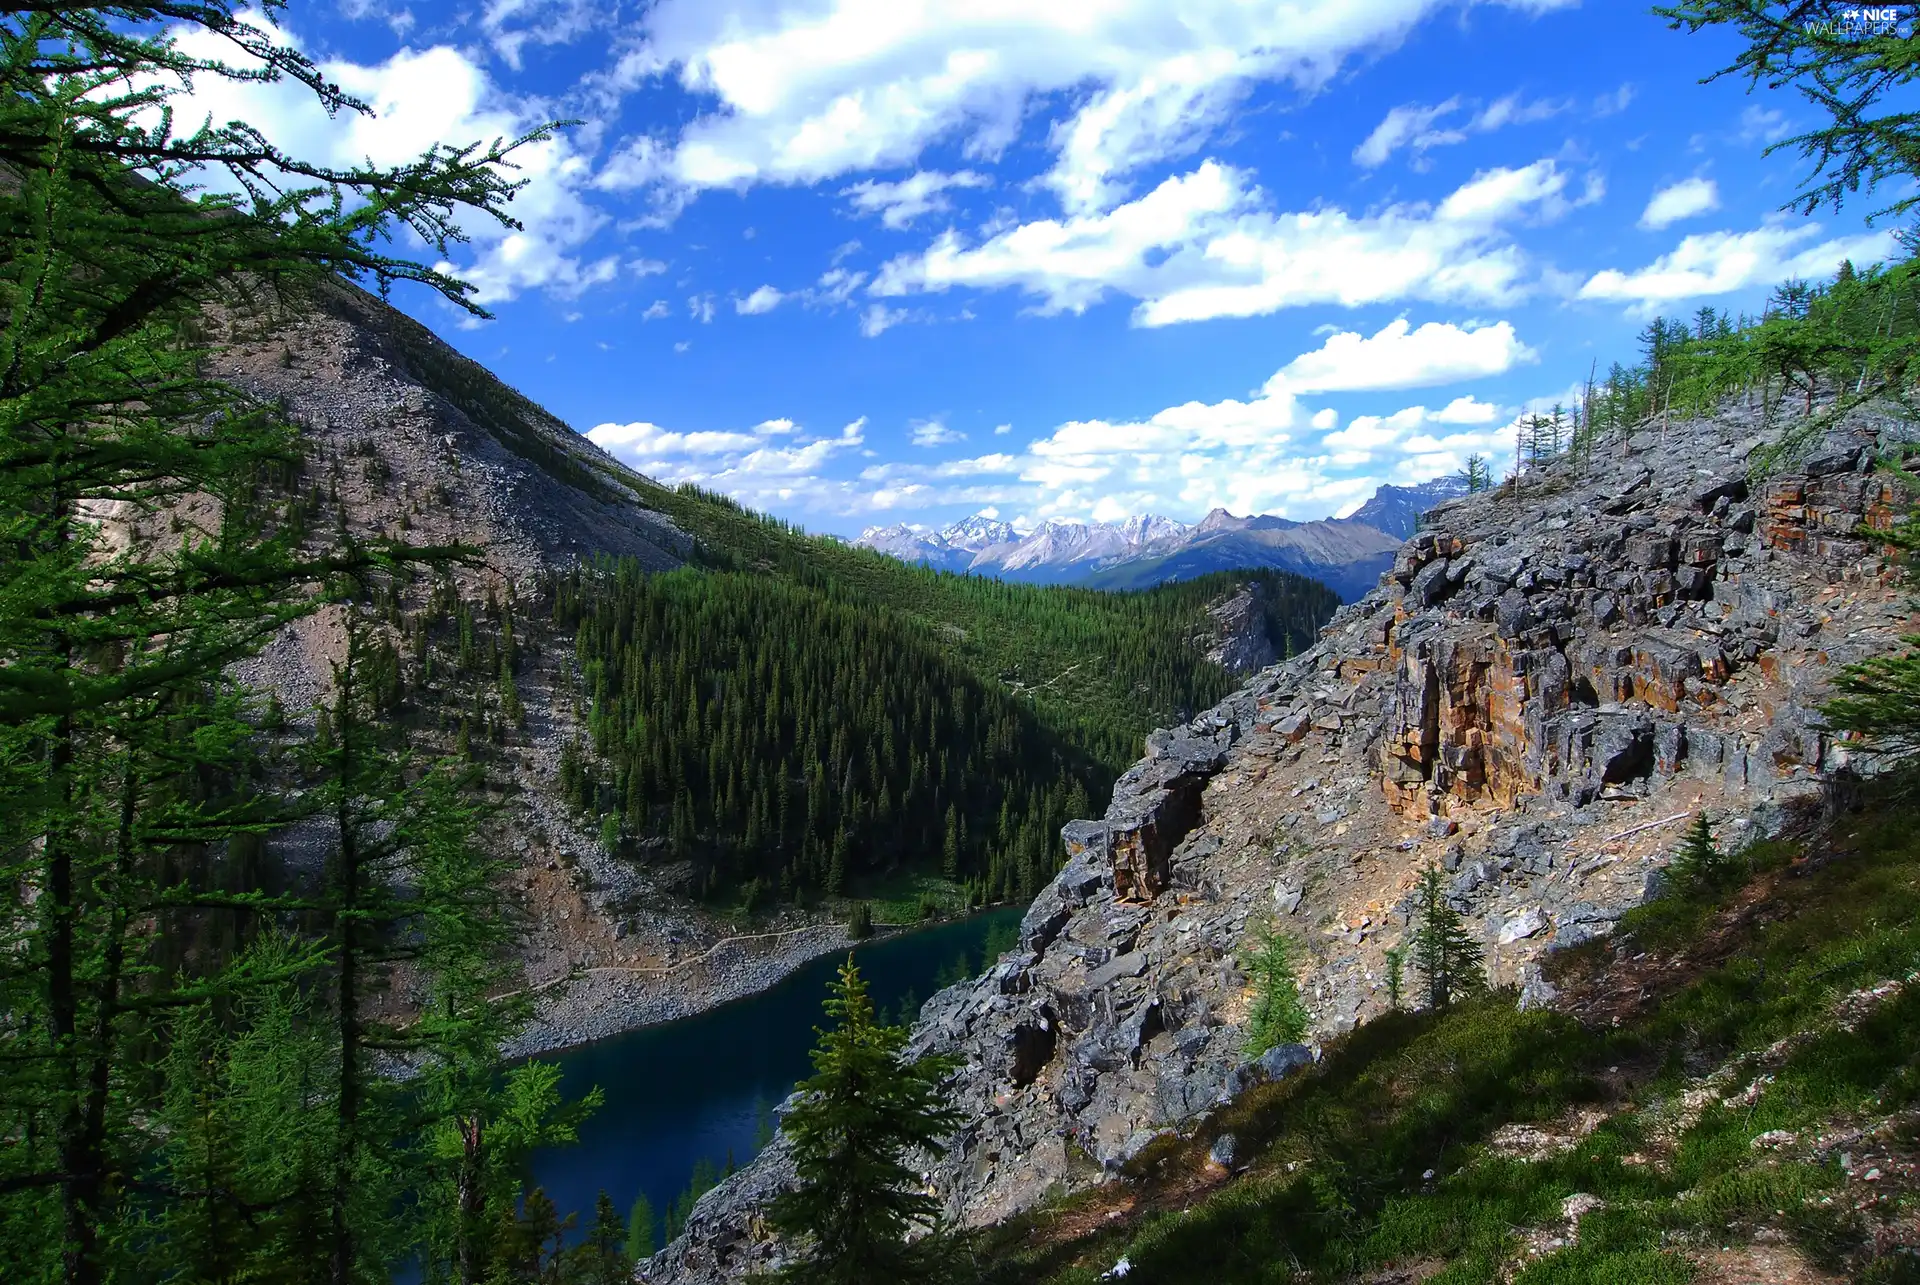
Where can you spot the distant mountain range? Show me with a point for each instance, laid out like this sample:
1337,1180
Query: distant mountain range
1345,554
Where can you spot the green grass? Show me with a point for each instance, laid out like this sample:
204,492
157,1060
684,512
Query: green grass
1338,1187
900,896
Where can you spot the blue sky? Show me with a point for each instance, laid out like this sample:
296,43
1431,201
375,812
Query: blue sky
869,261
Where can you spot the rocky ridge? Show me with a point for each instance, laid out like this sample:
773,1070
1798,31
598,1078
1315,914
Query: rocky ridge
1346,554
1549,682
414,441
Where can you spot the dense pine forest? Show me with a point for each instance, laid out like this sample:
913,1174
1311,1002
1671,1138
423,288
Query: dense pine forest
790,734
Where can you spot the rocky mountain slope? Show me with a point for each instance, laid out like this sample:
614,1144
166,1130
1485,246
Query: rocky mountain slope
1548,683
1397,510
405,438
1345,554
408,439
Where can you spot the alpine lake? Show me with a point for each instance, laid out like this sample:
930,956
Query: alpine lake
687,1101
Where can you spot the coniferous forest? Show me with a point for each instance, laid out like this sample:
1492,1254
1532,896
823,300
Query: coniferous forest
787,738
205,1073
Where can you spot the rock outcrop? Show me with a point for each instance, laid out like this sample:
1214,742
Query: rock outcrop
1550,681
1240,641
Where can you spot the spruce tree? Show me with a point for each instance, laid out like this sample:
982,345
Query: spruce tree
603,1258
1699,864
863,1113
1446,956
1396,974
1277,1016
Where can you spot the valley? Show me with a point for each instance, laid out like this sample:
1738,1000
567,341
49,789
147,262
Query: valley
1304,776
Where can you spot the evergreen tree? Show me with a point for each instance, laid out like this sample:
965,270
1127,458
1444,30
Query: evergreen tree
864,1111
128,777
1699,863
603,1258
1278,1016
1447,957
1476,474
640,1228
1396,974
1844,76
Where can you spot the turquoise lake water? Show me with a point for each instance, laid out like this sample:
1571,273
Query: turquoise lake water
701,1089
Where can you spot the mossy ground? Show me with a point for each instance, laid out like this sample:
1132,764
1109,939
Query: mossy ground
1776,1008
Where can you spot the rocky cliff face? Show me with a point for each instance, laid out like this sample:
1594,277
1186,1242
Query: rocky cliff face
408,439
1240,641
1540,693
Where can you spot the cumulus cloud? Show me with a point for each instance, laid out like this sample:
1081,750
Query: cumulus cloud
932,432
1267,453
764,299
421,99
773,462
1399,356
1203,245
806,93
899,204
1715,263
1682,200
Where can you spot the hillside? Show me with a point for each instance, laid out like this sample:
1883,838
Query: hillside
1554,678
627,868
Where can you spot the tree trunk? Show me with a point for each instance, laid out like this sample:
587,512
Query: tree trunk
346,933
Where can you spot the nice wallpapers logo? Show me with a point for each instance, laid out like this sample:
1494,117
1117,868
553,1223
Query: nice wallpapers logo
1861,21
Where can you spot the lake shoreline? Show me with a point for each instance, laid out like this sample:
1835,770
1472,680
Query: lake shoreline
600,1003
696,1095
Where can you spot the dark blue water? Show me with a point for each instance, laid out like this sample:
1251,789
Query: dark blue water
701,1089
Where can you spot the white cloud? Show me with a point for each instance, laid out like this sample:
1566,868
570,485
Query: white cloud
1680,200
878,319
1001,430
773,462
803,93
929,433
1202,245
1516,110
1763,125
1714,263
641,439
1467,410
656,310
511,25
422,99
1399,356
700,307
1615,103
400,20
1409,125
1418,129
764,299
899,204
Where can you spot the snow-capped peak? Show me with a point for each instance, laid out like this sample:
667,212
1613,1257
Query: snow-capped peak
977,532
